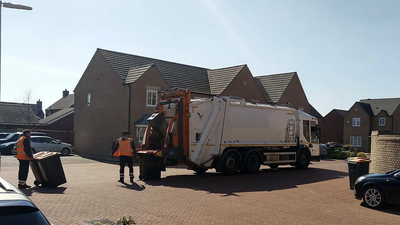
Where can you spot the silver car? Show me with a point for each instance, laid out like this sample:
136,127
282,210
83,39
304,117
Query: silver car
45,143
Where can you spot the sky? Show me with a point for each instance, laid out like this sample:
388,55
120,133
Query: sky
343,51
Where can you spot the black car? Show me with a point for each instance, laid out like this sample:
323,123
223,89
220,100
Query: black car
3,135
17,208
378,189
16,135
5,148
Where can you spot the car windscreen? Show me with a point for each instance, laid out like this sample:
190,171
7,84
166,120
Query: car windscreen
10,136
22,215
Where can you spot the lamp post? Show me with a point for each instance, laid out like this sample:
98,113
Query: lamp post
11,6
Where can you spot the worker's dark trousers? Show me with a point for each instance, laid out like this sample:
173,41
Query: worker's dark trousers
125,160
23,171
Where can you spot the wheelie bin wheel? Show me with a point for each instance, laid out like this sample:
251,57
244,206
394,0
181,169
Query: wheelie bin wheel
36,183
141,177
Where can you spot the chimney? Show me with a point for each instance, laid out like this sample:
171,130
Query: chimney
65,93
39,105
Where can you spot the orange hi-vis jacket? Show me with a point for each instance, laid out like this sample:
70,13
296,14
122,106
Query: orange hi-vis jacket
124,148
21,155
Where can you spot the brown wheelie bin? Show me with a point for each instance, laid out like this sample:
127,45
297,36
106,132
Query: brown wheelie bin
50,167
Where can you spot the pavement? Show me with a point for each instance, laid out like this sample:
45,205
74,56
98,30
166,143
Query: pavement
319,195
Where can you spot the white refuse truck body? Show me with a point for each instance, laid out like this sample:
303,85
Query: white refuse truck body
229,134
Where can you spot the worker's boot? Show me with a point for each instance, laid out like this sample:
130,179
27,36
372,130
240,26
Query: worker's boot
23,185
121,178
131,177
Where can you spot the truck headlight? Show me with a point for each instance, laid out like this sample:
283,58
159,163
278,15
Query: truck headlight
359,179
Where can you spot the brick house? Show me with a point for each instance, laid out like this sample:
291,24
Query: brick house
67,101
369,115
119,91
18,116
285,89
332,126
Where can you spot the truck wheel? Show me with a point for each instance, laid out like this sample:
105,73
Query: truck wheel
231,163
252,162
303,159
200,170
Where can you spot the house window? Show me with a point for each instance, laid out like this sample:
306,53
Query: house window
382,121
355,141
88,99
140,131
151,99
356,122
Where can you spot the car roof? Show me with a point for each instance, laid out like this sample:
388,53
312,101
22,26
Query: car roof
11,196
41,137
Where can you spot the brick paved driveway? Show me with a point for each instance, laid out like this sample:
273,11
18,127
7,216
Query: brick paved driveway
319,195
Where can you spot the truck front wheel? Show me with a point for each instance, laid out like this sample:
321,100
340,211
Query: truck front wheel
303,159
231,163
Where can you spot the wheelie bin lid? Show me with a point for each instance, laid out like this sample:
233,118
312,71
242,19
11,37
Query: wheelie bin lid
355,160
42,155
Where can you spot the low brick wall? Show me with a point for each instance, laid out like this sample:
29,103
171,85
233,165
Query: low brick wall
385,153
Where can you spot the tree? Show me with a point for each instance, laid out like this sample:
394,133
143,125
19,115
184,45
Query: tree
26,99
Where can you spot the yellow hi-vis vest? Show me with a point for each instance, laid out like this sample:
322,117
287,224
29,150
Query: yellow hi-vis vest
124,148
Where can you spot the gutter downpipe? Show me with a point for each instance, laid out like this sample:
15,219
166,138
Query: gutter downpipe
129,105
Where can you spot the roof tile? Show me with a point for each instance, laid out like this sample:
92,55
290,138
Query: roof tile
275,84
220,78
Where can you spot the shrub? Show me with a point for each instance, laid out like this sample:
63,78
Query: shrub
352,154
125,220
361,154
344,154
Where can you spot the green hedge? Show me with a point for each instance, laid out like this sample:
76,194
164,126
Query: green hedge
339,154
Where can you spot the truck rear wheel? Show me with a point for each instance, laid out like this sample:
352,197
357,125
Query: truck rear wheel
231,163
303,159
252,162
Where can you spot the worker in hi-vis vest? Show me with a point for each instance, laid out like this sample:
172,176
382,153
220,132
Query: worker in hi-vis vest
125,149
24,155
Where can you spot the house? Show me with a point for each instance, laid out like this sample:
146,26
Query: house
16,116
119,91
369,115
67,101
332,126
60,115
284,89
62,120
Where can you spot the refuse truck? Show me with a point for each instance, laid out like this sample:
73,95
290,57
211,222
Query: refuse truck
225,133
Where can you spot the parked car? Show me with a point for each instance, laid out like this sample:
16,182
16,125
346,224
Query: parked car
17,208
16,135
45,143
378,189
3,135
333,145
323,152
6,148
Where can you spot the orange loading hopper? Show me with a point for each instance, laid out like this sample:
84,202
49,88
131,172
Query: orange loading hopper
157,132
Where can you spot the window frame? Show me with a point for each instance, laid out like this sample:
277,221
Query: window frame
355,120
88,99
356,141
151,92
384,121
